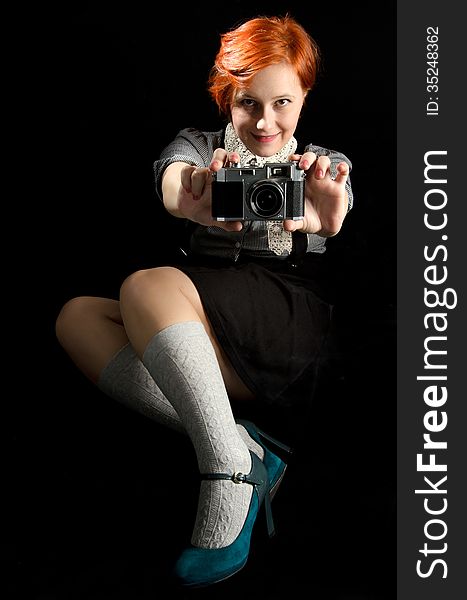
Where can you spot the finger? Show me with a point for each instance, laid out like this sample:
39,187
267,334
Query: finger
294,157
198,181
290,225
322,166
218,160
232,158
222,158
342,172
229,225
306,160
185,178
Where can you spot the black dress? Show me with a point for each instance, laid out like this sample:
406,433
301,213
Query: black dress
270,317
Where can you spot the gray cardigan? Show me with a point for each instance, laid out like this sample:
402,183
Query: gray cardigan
196,148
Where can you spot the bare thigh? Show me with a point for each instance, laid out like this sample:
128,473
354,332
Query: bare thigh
91,331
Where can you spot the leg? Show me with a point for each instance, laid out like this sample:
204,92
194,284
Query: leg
167,326
91,332
157,298
91,329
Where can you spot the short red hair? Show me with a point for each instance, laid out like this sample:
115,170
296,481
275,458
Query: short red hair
256,44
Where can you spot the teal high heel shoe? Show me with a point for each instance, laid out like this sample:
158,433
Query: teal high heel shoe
198,567
274,465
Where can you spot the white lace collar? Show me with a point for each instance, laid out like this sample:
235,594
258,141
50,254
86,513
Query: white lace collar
234,144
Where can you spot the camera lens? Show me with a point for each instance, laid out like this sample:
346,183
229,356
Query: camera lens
266,199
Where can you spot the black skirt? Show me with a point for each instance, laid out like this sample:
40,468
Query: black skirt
270,318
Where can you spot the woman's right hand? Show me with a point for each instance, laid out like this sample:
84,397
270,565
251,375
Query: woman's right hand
194,195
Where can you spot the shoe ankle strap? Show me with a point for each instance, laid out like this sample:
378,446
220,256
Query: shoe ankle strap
235,477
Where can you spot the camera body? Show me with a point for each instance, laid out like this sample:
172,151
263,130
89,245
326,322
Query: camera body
273,192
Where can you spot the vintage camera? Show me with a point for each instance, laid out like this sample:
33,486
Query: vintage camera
273,192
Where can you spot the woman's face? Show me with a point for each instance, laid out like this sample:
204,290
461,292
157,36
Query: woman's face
265,115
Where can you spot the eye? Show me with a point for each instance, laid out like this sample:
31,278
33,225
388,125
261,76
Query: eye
248,103
283,102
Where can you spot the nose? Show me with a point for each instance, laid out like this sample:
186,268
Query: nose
265,120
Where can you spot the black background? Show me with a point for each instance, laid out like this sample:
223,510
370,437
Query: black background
101,500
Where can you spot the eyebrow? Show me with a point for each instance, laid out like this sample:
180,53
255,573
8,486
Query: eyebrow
245,94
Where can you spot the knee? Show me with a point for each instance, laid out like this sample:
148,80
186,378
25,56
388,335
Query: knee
140,286
70,319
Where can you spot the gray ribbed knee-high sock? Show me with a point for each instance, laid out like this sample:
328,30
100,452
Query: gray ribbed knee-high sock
127,380
182,361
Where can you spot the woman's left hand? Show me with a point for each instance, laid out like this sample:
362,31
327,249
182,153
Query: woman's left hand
326,198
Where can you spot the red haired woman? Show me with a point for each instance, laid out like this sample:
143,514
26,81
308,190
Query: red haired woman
240,318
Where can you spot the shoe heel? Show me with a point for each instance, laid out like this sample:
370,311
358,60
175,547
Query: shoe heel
251,427
269,520
278,444
273,490
275,487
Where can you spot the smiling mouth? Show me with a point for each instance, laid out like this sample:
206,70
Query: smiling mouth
265,139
